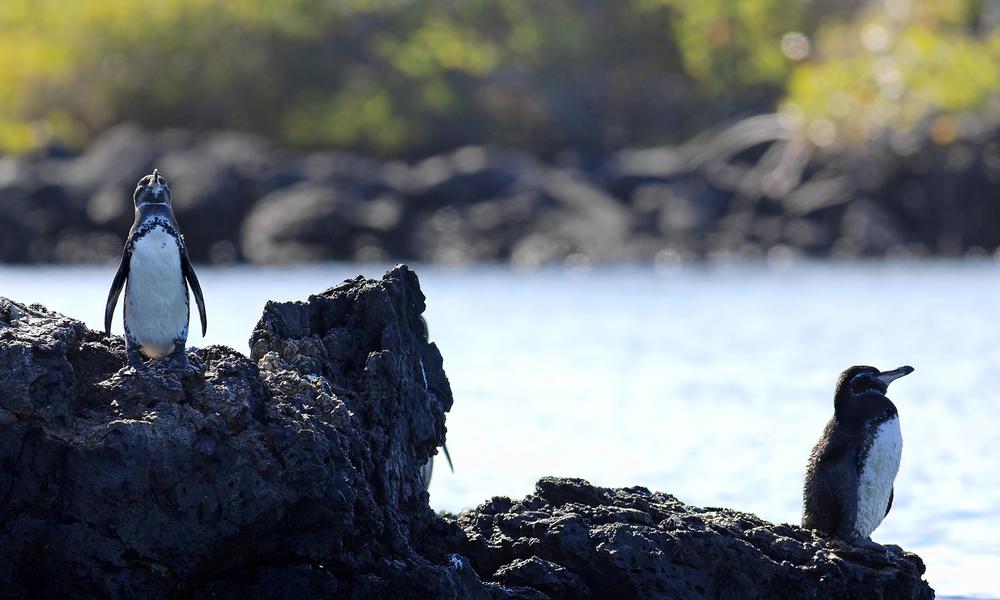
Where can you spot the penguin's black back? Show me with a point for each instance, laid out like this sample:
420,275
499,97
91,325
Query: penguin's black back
831,485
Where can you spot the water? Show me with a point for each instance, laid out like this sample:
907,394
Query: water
710,384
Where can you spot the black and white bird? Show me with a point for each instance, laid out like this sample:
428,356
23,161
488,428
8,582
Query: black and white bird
427,469
848,487
155,271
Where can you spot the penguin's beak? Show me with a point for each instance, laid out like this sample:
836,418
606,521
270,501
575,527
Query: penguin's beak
888,377
155,187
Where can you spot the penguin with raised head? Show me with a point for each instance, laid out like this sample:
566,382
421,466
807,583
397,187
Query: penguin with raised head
849,480
155,271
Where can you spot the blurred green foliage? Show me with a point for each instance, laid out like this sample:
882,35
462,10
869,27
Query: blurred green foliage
732,45
894,66
406,77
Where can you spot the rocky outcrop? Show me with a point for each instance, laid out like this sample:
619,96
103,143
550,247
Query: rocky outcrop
573,540
295,473
754,190
292,474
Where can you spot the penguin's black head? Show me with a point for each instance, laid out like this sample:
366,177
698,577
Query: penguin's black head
151,189
861,390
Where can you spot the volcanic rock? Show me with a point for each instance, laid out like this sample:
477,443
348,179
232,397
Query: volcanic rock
295,473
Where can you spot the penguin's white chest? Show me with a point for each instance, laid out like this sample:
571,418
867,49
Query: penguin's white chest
156,300
877,475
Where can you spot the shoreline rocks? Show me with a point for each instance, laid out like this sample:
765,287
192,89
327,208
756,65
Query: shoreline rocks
573,540
295,473
753,190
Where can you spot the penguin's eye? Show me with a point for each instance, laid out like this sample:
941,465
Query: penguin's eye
868,382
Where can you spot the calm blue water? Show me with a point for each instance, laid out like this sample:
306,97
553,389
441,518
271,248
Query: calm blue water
710,384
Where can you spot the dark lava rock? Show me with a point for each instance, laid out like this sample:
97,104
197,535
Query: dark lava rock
295,473
295,476
573,540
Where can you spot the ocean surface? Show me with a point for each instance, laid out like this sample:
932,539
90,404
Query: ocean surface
709,383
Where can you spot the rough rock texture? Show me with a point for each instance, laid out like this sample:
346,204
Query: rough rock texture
297,476
573,540
750,191
295,473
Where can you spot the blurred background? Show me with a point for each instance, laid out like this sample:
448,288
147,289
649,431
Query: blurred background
651,232
504,130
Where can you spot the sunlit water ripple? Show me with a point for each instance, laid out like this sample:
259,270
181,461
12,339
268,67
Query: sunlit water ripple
710,384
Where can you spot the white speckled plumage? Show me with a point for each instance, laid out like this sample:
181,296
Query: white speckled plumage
878,471
156,300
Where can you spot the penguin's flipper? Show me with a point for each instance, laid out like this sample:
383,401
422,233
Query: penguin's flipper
116,288
832,509
447,455
845,493
892,492
192,280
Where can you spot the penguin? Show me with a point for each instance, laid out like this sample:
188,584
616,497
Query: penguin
155,271
848,488
427,469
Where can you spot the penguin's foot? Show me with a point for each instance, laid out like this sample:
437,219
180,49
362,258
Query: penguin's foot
179,362
133,358
178,359
135,362
868,543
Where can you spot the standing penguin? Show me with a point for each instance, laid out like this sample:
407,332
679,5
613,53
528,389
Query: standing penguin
849,480
157,270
